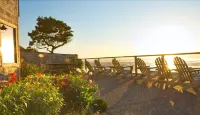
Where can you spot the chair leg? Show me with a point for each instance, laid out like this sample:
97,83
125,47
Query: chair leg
196,84
174,82
188,86
146,80
149,78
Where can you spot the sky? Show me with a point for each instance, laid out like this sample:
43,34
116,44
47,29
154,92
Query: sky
119,27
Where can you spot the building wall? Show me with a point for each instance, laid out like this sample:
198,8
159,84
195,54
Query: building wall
9,13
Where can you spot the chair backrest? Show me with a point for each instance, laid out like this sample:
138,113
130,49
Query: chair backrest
117,66
88,66
143,67
163,69
183,69
98,65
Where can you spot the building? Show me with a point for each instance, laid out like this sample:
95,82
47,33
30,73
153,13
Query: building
9,37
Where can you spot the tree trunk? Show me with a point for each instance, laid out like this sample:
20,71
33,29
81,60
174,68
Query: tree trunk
52,51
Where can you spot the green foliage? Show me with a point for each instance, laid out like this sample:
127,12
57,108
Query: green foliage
78,63
50,34
41,94
78,92
35,95
30,69
45,97
99,105
13,99
28,49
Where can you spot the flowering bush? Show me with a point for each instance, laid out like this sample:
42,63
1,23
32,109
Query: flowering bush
35,95
78,92
41,94
30,69
13,100
45,97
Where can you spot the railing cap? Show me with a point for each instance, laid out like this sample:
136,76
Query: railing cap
148,55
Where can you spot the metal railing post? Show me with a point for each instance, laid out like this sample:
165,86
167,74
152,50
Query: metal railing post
136,66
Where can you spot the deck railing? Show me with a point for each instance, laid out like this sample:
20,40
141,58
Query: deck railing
136,56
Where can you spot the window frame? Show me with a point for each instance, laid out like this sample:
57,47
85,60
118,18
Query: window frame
15,38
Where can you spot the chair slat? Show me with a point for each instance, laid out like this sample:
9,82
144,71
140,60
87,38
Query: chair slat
163,69
88,66
117,66
143,68
98,65
183,69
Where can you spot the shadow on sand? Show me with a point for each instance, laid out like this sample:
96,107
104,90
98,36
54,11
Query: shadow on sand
127,98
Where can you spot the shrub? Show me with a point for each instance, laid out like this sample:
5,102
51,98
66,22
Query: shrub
78,92
35,95
45,98
78,63
99,105
13,100
45,95
30,69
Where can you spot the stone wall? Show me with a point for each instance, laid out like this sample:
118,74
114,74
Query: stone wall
9,11
51,61
46,58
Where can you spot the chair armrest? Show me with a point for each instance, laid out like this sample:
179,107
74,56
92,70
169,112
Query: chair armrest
194,70
100,67
126,66
173,69
110,66
151,67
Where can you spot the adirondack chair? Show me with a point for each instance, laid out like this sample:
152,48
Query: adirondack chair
165,74
118,69
189,77
100,68
147,74
90,68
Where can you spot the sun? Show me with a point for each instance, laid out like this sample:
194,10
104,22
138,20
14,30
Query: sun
167,39
170,62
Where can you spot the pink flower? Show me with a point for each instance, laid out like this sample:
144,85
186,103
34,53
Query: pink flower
63,83
38,74
12,78
30,86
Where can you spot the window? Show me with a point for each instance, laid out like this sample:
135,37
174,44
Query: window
8,45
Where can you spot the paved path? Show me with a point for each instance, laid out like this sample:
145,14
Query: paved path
127,98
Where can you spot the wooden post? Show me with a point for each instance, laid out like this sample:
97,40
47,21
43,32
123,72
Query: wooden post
85,64
163,59
136,66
